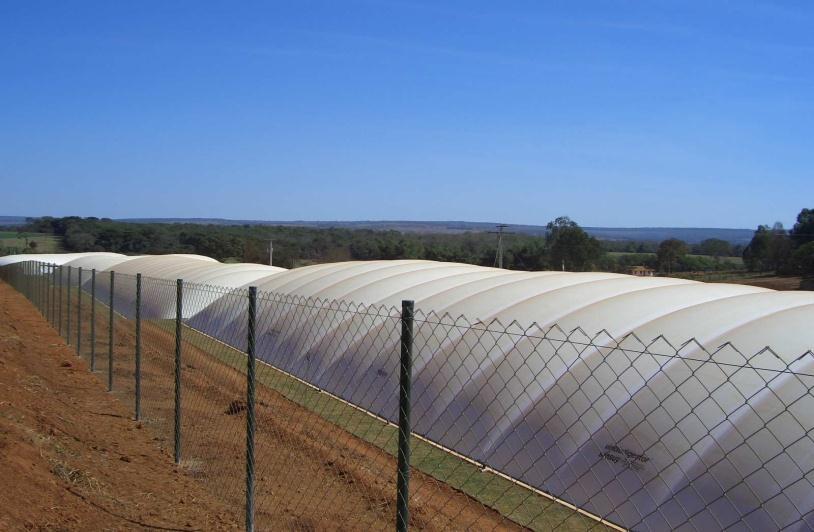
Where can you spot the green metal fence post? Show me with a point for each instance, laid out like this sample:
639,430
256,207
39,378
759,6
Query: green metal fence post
138,347
43,290
93,319
179,292
48,313
27,285
79,312
38,286
110,337
54,296
250,419
35,284
68,310
405,384
60,300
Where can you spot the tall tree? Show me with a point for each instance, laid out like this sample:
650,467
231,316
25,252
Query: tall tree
803,230
671,251
770,249
570,247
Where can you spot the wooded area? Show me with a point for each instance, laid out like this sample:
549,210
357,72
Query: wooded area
565,246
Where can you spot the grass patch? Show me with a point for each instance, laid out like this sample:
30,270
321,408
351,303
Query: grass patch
12,243
74,477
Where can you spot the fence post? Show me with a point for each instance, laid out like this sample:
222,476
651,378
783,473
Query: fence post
51,294
250,419
35,294
138,346
179,292
68,310
27,290
79,312
60,299
43,290
405,384
110,336
93,319
49,314
54,296
39,287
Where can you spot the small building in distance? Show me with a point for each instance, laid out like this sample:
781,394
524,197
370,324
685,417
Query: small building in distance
641,271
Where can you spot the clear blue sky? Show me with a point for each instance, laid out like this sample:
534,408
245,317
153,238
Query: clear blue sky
617,113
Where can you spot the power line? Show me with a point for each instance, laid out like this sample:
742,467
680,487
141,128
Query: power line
499,254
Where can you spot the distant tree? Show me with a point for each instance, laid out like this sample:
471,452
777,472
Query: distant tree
671,251
75,239
715,247
803,259
33,245
803,230
531,256
770,249
570,247
755,254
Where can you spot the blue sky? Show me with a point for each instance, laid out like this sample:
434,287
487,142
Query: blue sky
617,113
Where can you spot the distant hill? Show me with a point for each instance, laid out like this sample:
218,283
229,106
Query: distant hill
692,235
12,220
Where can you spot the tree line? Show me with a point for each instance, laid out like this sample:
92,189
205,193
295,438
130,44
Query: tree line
565,246
785,252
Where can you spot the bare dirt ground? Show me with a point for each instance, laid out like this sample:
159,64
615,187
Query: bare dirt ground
311,475
70,456
763,280
78,461
774,282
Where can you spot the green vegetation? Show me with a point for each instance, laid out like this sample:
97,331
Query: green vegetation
784,252
13,242
565,246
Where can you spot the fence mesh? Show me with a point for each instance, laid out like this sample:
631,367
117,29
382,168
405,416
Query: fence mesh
513,426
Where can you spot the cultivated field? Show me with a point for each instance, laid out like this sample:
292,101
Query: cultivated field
12,242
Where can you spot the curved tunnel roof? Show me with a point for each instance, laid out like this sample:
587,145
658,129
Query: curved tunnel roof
52,258
593,301
619,304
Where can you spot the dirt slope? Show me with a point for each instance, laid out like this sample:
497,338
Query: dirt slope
70,456
76,460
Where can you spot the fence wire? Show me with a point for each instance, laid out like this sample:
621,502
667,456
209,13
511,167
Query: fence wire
513,426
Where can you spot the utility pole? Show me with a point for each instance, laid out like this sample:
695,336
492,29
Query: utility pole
271,252
499,233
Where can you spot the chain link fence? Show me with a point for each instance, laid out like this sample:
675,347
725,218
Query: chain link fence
317,414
